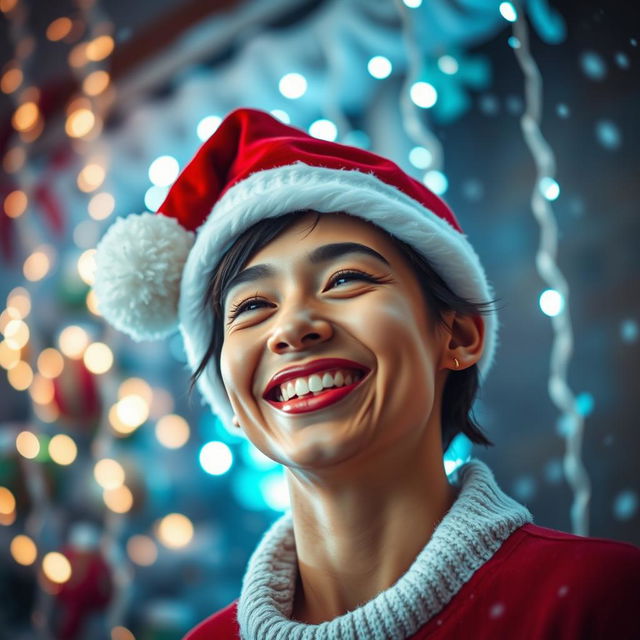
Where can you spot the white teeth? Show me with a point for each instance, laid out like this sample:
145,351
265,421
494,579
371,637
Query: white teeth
327,380
315,383
301,387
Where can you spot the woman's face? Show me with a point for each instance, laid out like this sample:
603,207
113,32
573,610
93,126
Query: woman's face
302,309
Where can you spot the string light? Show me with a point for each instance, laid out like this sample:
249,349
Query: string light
15,204
293,85
23,550
56,567
175,531
559,390
379,67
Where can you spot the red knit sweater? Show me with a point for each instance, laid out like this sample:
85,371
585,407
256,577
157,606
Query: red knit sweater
541,584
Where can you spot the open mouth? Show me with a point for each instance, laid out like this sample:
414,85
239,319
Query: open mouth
315,392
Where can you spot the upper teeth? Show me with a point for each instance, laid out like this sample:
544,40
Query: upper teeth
316,382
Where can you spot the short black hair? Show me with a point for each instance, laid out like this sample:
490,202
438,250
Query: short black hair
461,387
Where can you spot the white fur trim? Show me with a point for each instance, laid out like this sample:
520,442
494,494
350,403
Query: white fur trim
139,264
274,192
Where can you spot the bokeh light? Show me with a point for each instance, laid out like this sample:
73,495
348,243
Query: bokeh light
423,94
118,499
87,266
420,157
96,82
551,302
79,123
549,188
50,363
172,431
293,85
15,204
142,550
23,550
20,376
59,28
27,444
56,567
109,473
63,449
73,341
379,67
98,358
132,410
207,126
175,531
101,205
163,171
36,266
436,181
324,130
7,501
508,11
215,458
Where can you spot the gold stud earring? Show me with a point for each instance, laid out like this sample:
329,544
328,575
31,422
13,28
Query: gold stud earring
455,360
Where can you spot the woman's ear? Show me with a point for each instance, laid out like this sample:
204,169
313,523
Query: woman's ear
464,340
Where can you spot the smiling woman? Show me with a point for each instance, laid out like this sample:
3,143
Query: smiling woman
334,312
436,296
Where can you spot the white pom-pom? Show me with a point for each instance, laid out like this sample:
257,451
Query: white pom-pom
139,265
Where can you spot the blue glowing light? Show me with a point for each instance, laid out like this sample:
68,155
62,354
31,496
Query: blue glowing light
489,104
448,64
553,471
585,404
508,11
473,190
524,487
293,85
420,157
629,330
625,505
562,110
608,134
216,458
163,171
207,126
551,302
514,42
593,66
413,4
436,181
622,60
549,188
324,130
274,491
380,67
154,197
283,116
423,94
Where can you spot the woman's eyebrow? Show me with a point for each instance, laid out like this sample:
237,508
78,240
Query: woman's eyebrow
325,253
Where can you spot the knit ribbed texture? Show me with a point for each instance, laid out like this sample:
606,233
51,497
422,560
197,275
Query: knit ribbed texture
479,521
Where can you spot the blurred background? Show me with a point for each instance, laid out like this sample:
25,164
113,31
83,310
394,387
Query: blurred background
126,509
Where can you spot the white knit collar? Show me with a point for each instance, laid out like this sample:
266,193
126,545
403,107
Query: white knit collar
479,521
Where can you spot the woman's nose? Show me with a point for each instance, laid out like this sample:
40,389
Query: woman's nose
299,330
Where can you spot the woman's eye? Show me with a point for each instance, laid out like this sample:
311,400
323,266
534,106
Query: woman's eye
352,275
245,306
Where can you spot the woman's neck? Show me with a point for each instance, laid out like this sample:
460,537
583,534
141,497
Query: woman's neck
357,537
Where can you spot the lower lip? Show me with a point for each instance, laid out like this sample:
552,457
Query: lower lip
314,403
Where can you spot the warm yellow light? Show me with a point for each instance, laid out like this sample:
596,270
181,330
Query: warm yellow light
20,376
92,303
11,80
108,473
41,390
172,431
7,501
79,123
7,316
73,341
132,410
175,531
62,449
36,266
101,206
90,178
16,334
121,633
59,29
27,444
50,363
25,116
142,550
98,358
7,5
87,266
15,204
162,403
135,386
23,550
95,83
78,56
48,413
119,500
9,357
19,300
119,427
56,567
99,48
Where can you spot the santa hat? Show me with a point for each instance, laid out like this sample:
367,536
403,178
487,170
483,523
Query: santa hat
152,269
